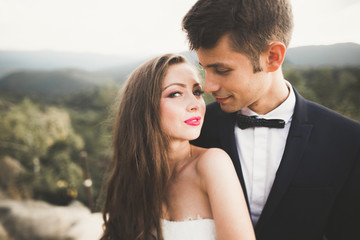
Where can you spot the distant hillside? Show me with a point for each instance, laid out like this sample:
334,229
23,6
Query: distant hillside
50,60
341,54
121,72
51,84
42,73
337,55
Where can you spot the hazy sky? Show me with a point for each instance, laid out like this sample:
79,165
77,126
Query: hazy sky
143,27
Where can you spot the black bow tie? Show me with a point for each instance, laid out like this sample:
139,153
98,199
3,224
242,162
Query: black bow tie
245,122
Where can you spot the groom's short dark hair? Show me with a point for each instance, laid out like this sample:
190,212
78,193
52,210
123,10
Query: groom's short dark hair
251,24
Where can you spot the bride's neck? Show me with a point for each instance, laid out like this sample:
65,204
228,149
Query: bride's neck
179,154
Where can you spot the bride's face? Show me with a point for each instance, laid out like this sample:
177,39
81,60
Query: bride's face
182,107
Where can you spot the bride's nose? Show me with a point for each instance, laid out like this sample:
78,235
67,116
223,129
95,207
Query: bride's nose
193,103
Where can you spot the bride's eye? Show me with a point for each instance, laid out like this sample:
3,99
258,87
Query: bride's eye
174,94
198,92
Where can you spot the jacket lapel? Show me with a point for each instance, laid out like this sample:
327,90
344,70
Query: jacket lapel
296,143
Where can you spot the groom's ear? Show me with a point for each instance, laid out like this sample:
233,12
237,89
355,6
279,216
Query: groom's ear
275,55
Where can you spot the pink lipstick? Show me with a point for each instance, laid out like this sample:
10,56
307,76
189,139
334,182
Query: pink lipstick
194,121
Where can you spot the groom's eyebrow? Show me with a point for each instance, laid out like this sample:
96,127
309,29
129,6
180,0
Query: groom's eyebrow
213,65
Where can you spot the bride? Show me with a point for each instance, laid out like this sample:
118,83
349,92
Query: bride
161,186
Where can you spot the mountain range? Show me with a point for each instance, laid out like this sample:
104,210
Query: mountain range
56,74
337,55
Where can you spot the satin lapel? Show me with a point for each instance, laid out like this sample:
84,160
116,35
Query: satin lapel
228,142
296,144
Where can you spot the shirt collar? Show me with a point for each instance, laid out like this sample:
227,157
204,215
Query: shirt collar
284,111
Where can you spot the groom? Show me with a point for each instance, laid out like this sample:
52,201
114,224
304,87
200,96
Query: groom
300,170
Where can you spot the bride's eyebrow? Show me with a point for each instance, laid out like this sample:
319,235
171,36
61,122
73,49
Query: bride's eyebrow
180,85
176,84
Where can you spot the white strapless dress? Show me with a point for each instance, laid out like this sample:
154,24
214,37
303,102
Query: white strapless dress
199,229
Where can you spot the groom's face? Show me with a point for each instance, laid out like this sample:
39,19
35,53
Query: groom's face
230,77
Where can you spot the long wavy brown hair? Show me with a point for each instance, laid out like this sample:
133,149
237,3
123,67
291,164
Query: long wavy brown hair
137,186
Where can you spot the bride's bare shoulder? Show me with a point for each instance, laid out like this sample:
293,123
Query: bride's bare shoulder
211,159
210,152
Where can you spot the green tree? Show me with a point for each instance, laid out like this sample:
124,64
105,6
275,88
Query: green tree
91,114
335,88
31,134
298,81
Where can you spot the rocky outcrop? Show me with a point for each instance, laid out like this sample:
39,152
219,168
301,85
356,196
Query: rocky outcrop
30,220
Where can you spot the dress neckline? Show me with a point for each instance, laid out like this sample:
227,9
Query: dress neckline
188,220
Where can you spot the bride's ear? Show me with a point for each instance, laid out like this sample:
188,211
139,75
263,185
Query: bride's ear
275,55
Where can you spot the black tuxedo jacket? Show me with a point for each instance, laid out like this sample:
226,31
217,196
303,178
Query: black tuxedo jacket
316,191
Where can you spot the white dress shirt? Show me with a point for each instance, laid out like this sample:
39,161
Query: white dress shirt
260,151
